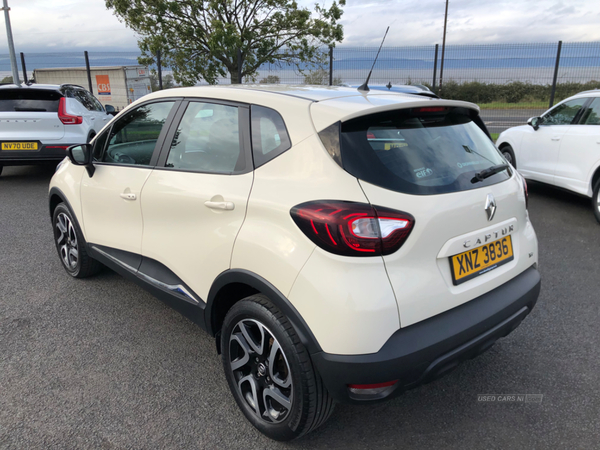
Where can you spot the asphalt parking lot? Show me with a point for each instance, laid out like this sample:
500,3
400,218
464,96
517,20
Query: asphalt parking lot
99,363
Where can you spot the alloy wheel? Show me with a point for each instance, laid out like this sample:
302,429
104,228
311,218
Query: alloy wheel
66,240
508,157
261,371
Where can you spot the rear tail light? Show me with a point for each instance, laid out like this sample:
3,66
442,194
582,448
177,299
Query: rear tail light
353,229
430,109
67,119
526,193
62,147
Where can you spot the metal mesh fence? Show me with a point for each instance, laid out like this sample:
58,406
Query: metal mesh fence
510,82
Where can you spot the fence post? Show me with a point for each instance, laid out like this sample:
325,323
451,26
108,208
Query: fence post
555,74
239,65
159,68
24,68
435,66
331,65
87,68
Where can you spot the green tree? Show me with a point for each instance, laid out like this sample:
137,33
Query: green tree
168,81
270,79
6,80
320,76
199,39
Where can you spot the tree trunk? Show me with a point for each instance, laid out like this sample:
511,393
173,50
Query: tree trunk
233,75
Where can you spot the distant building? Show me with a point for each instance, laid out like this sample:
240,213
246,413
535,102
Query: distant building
115,85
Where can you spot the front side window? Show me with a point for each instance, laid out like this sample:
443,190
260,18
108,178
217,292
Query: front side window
208,140
592,115
420,151
132,138
564,113
269,135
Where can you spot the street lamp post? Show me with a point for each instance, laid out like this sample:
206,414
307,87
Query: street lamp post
443,49
11,45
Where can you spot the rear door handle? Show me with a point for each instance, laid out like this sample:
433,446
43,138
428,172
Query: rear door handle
225,206
128,196
555,138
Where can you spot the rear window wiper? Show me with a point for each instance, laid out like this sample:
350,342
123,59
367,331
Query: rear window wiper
486,173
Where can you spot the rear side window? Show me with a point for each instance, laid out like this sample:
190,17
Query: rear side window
420,151
208,140
25,99
269,135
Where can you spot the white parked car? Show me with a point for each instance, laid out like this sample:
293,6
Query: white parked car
562,147
39,122
340,246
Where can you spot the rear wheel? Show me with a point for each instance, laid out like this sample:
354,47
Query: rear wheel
270,373
509,155
71,245
596,200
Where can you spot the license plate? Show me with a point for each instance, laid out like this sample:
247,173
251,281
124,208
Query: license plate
20,146
470,264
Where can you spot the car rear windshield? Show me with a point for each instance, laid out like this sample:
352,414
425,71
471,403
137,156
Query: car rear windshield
27,100
423,151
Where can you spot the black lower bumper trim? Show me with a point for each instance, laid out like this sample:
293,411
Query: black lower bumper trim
429,349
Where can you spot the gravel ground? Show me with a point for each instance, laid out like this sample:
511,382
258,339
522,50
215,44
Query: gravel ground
99,363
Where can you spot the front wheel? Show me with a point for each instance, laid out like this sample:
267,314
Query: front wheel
596,200
270,373
71,246
509,155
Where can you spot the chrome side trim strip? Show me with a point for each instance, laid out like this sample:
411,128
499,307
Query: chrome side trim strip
178,288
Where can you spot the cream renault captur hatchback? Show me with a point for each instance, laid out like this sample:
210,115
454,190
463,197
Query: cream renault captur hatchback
340,245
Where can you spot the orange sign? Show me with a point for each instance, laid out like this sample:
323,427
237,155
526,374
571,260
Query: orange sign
103,83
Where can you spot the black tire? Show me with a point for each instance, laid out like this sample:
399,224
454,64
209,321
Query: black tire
91,136
1,167
509,155
71,246
309,402
596,201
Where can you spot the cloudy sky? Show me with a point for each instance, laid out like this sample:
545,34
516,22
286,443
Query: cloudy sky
69,25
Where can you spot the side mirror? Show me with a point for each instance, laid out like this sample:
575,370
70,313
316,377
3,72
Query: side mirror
534,122
110,109
81,155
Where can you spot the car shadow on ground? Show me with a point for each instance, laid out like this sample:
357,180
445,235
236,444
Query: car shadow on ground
554,193
18,173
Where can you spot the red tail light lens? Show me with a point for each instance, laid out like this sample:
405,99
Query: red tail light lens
526,193
353,229
430,109
67,119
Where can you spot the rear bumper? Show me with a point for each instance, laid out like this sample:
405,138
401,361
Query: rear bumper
48,153
431,348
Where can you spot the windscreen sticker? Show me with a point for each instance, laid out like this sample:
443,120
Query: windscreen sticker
423,172
469,163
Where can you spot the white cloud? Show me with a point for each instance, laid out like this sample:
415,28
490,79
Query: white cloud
87,24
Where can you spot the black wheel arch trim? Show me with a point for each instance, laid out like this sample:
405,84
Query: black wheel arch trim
275,296
56,191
